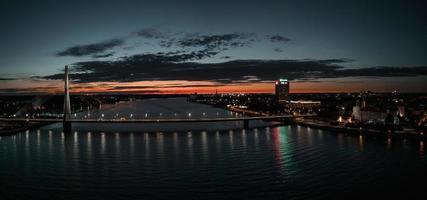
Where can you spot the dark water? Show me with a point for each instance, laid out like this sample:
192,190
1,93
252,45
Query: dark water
206,161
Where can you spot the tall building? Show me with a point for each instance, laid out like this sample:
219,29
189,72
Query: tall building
282,91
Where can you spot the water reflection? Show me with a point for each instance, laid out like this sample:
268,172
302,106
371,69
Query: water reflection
190,146
205,146
38,139
147,146
217,140
89,146
388,143
176,146
103,143
243,138
68,140
360,142
275,158
231,141
256,139
117,141
160,145
50,142
276,147
131,144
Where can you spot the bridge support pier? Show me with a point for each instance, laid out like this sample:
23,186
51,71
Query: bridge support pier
246,124
66,127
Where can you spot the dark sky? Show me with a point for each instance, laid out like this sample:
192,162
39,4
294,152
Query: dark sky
39,37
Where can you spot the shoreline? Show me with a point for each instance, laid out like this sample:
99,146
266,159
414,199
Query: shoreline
322,125
366,132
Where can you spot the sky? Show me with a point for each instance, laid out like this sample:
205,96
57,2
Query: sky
206,46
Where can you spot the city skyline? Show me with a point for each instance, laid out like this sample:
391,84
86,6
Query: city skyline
203,47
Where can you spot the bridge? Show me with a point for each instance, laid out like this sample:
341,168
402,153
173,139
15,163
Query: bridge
67,120
164,120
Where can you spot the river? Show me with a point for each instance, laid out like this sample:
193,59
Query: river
205,160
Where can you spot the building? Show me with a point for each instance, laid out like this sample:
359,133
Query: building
363,114
301,104
282,91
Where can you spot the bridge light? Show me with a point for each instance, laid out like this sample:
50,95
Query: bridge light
189,114
146,115
102,115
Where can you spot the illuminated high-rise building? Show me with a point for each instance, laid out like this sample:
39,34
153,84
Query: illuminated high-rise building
282,91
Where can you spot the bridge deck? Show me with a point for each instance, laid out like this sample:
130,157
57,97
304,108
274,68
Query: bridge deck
181,120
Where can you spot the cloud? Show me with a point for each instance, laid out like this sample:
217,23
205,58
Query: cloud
216,42
190,41
103,55
6,79
179,66
384,71
278,50
278,38
91,49
167,43
151,33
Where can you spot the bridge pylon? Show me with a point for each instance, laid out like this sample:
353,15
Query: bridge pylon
67,104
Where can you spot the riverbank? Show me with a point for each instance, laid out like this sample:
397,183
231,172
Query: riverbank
312,123
325,125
